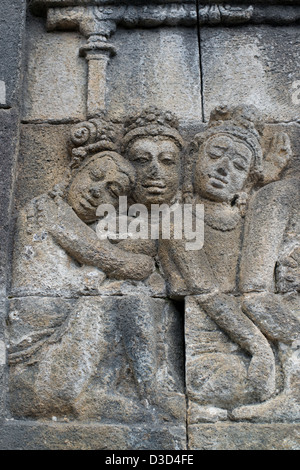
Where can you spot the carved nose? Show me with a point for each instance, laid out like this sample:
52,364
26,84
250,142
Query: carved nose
154,170
223,171
223,168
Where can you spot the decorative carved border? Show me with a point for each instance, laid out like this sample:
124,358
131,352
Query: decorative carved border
63,14
61,3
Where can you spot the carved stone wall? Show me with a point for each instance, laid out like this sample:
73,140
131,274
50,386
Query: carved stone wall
143,344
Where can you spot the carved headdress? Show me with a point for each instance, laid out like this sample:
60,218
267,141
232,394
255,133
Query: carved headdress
151,122
96,138
91,137
242,122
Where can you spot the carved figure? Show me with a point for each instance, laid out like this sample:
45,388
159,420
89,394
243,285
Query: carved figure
270,275
153,144
67,351
228,163
76,353
54,352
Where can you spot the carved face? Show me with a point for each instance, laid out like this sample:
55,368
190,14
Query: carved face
157,164
98,182
223,168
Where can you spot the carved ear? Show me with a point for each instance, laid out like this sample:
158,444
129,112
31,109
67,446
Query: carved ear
241,202
277,158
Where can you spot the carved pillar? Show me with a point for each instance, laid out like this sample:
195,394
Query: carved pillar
98,23
97,27
97,53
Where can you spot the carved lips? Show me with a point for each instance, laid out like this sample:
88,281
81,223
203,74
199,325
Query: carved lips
218,181
155,187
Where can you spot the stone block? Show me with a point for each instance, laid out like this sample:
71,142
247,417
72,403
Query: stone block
253,65
70,436
157,67
3,359
223,436
12,24
124,351
43,159
55,75
8,141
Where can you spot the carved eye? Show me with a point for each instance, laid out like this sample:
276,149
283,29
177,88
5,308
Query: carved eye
215,152
167,159
141,158
239,165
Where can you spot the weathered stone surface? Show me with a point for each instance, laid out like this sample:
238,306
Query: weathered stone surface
216,369
251,312
9,126
3,361
40,6
95,329
254,65
223,436
12,21
43,160
163,60
45,333
69,436
55,75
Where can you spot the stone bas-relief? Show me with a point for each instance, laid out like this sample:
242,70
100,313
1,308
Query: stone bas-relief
94,337
228,164
99,336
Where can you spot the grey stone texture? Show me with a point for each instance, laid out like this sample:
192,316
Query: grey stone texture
43,153
255,65
42,385
54,85
68,436
241,436
165,60
142,344
12,23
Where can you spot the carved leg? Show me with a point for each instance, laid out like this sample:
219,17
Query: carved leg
187,272
286,406
66,366
225,310
139,319
277,317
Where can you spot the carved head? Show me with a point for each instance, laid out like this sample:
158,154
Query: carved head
100,180
228,155
153,145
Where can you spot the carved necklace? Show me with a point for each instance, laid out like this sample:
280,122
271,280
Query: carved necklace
220,215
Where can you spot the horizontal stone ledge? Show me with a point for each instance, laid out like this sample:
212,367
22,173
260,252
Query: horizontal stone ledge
41,5
55,435
91,20
67,14
244,436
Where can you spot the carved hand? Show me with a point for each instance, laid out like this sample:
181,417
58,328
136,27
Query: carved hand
82,243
